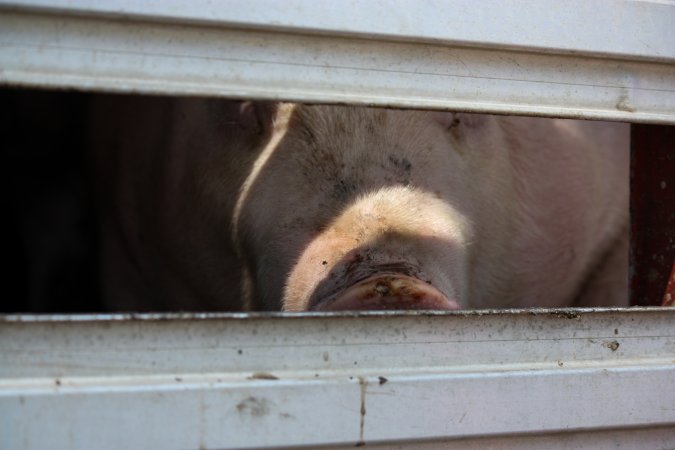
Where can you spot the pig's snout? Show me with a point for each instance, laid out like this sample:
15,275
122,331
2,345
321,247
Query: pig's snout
396,249
389,292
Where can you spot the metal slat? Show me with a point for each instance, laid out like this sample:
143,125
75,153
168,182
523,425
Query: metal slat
574,26
165,49
216,381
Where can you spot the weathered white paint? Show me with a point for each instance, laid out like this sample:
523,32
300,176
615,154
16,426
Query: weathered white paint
482,380
611,60
232,381
641,29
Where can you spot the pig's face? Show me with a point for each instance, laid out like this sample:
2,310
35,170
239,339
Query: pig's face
335,207
357,208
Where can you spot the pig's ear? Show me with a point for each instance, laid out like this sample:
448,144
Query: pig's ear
256,116
454,121
248,118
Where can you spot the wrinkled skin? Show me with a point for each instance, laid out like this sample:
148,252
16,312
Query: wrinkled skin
321,208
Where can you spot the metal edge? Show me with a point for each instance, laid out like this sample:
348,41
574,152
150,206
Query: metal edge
564,313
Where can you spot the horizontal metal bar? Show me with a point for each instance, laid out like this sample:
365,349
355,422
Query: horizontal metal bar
118,52
572,313
653,437
217,380
630,29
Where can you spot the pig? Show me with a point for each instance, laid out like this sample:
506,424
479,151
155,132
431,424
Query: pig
228,205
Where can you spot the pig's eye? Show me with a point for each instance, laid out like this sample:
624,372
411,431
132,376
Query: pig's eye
449,121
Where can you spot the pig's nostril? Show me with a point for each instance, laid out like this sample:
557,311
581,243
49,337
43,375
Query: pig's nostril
389,292
382,289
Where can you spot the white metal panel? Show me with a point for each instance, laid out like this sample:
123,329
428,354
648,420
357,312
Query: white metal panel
172,49
634,29
481,380
227,381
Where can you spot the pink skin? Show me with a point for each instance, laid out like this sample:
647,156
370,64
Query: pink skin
334,203
491,212
395,232
330,207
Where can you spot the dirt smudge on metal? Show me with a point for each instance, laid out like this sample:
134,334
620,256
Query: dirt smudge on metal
363,383
566,314
612,345
263,376
624,104
254,407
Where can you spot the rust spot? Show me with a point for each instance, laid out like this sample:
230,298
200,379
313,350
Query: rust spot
669,296
565,314
612,345
57,382
652,254
263,376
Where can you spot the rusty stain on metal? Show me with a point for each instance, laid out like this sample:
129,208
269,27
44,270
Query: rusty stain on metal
564,314
612,345
363,383
652,209
669,296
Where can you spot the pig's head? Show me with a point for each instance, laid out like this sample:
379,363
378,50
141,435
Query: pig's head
358,208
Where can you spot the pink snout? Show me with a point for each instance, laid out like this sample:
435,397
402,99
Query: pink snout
389,292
